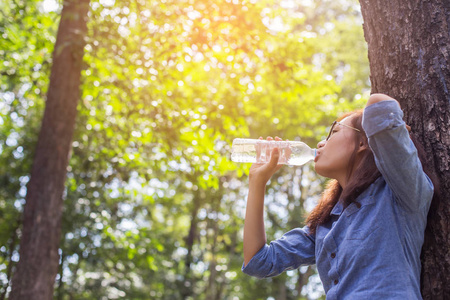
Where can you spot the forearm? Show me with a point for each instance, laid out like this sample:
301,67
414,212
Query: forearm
254,231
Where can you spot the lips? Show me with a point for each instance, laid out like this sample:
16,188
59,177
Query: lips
317,156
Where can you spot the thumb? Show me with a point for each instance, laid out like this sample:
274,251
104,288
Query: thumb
274,158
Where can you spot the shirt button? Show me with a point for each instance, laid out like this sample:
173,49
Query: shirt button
333,255
336,281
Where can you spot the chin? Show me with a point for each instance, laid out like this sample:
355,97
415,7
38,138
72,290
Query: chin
323,171
319,170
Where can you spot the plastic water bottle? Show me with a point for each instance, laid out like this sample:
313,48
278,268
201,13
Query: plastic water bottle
258,151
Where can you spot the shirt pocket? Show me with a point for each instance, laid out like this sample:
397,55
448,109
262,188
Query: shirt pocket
361,233
361,219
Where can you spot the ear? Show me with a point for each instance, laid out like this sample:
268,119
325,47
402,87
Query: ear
362,146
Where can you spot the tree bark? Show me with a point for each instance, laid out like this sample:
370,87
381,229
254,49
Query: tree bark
409,57
39,259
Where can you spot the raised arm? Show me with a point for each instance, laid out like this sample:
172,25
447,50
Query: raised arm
395,154
254,231
295,248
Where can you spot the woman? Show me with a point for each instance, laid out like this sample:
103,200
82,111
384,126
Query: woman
366,233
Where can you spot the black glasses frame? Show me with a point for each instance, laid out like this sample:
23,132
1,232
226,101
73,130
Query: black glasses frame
334,124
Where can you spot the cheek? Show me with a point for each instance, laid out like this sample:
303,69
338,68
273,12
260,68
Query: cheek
342,158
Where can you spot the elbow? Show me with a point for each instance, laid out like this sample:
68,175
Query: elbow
375,98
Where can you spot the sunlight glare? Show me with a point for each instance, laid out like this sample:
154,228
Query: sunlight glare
107,3
287,4
50,5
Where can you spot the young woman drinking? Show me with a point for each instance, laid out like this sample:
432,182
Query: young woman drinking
366,233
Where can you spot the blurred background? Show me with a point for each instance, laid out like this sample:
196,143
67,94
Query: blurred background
153,206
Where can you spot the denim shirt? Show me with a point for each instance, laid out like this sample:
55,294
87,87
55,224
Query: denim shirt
371,249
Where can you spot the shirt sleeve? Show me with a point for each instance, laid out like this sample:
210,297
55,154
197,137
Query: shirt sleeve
396,156
294,249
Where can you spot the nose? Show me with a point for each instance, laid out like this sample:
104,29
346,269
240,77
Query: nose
321,144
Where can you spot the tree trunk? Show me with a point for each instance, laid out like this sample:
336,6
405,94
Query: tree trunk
211,289
409,57
39,259
187,288
12,248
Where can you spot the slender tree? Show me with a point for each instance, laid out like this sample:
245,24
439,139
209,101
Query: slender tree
39,259
409,59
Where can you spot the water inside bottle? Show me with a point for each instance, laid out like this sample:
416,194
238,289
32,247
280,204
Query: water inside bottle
251,151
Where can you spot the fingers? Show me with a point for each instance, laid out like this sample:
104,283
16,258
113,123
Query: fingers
268,159
269,150
280,152
265,152
274,155
267,147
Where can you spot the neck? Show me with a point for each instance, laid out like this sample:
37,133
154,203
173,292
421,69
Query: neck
342,182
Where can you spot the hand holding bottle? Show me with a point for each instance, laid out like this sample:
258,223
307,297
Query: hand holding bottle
264,149
261,172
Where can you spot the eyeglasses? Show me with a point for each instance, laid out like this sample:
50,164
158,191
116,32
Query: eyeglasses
336,122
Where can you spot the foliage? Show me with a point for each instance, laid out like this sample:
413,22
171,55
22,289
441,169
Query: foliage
25,59
153,207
